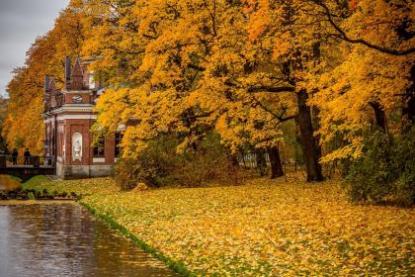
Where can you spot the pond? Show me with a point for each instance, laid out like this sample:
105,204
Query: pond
65,240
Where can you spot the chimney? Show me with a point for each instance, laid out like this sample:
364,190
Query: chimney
77,76
47,82
68,74
52,87
47,96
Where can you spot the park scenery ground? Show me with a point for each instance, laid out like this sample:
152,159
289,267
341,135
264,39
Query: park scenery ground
262,228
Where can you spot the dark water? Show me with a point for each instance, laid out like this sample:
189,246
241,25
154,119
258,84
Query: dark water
64,240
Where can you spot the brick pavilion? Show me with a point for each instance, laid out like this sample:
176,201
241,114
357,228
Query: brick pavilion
68,116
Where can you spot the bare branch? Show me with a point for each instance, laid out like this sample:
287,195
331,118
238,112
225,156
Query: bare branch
271,89
279,117
344,36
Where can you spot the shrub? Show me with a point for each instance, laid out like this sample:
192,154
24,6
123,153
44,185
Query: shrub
386,170
31,196
369,178
405,165
160,165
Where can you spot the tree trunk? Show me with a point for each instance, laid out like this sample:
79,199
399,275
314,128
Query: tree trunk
311,148
275,160
380,116
261,163
233,158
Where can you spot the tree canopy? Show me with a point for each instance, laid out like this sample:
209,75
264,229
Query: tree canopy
241,68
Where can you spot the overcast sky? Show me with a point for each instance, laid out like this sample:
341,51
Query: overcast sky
21,22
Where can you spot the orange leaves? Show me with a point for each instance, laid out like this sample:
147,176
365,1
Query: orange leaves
259,22
164,59
353,4
283,46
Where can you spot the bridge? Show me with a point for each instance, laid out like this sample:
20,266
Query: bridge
26,169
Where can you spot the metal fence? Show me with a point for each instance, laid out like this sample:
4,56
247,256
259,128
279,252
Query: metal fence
249,160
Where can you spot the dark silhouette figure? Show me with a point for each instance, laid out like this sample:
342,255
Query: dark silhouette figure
27,156
15,154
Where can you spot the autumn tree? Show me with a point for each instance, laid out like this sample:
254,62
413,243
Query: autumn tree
316,41
197,72
238,68
23,126
370,78
286,57
177,86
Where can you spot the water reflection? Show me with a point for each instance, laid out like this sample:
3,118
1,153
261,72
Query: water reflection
64,240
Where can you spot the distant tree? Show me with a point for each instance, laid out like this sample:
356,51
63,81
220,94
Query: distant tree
3,114
23,126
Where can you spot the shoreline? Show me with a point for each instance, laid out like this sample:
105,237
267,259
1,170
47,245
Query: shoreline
175,266
5,203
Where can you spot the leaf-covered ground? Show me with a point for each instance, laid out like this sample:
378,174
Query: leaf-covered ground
262,228
9,182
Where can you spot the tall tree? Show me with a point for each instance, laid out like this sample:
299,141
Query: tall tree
23,126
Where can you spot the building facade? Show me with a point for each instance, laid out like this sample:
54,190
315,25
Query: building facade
69,115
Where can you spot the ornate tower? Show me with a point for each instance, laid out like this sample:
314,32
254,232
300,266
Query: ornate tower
69,116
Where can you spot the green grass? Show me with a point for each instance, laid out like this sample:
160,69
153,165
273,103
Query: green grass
36,181
15,178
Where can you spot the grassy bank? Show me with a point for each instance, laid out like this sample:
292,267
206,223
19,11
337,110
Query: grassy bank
262,228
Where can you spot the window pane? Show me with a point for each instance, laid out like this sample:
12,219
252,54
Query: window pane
99,148
118,139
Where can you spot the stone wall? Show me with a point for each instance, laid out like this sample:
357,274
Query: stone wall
82,171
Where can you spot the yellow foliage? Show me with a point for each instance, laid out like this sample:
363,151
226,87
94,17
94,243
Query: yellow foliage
23,127
189,67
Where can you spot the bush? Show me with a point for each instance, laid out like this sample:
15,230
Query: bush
385,172
405,166
126,173
160,165
369,178
31,196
